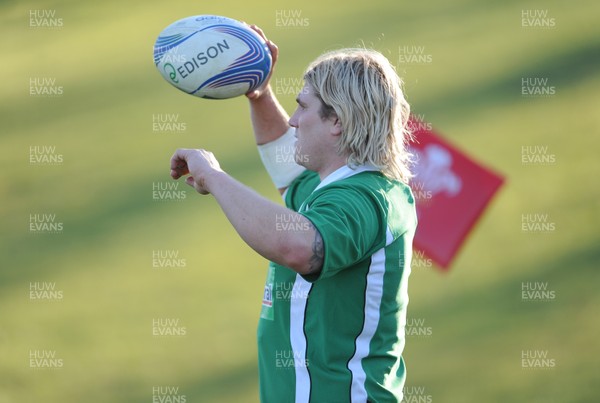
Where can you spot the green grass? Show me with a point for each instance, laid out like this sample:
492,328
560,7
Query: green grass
102,261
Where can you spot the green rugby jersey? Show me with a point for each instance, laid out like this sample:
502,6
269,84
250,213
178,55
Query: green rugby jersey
338,336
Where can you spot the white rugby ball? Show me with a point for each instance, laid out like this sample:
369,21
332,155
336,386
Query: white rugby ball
212,57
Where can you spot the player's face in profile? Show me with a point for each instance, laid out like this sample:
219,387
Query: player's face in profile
313,132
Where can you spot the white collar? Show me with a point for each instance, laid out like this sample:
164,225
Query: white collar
344,172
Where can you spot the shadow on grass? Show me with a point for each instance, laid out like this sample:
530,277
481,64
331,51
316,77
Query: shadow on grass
479,334
561,70
572,276
29,255
239,381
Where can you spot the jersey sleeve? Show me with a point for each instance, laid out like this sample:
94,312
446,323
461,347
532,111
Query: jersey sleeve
352,225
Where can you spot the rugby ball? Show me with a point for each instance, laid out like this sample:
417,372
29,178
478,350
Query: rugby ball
212,57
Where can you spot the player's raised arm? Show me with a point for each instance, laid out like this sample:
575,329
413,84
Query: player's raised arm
269,119
272,132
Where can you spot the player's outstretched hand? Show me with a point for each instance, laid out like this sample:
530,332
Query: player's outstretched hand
274,55
199,164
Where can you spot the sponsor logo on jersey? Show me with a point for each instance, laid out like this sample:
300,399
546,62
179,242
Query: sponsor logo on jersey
268,295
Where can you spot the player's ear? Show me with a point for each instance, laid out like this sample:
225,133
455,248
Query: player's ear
336,128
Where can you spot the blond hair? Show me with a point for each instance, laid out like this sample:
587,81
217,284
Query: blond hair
362,89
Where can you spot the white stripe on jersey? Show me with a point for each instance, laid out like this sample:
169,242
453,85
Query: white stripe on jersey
298,301
373,294
302,288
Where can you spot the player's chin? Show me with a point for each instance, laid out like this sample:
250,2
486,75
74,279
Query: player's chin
301,159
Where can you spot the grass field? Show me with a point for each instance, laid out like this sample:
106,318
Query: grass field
98,323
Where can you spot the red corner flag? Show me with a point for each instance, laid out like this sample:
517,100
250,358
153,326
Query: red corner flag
451,191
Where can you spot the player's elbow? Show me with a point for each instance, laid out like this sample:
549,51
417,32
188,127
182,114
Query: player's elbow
303,252
296,255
